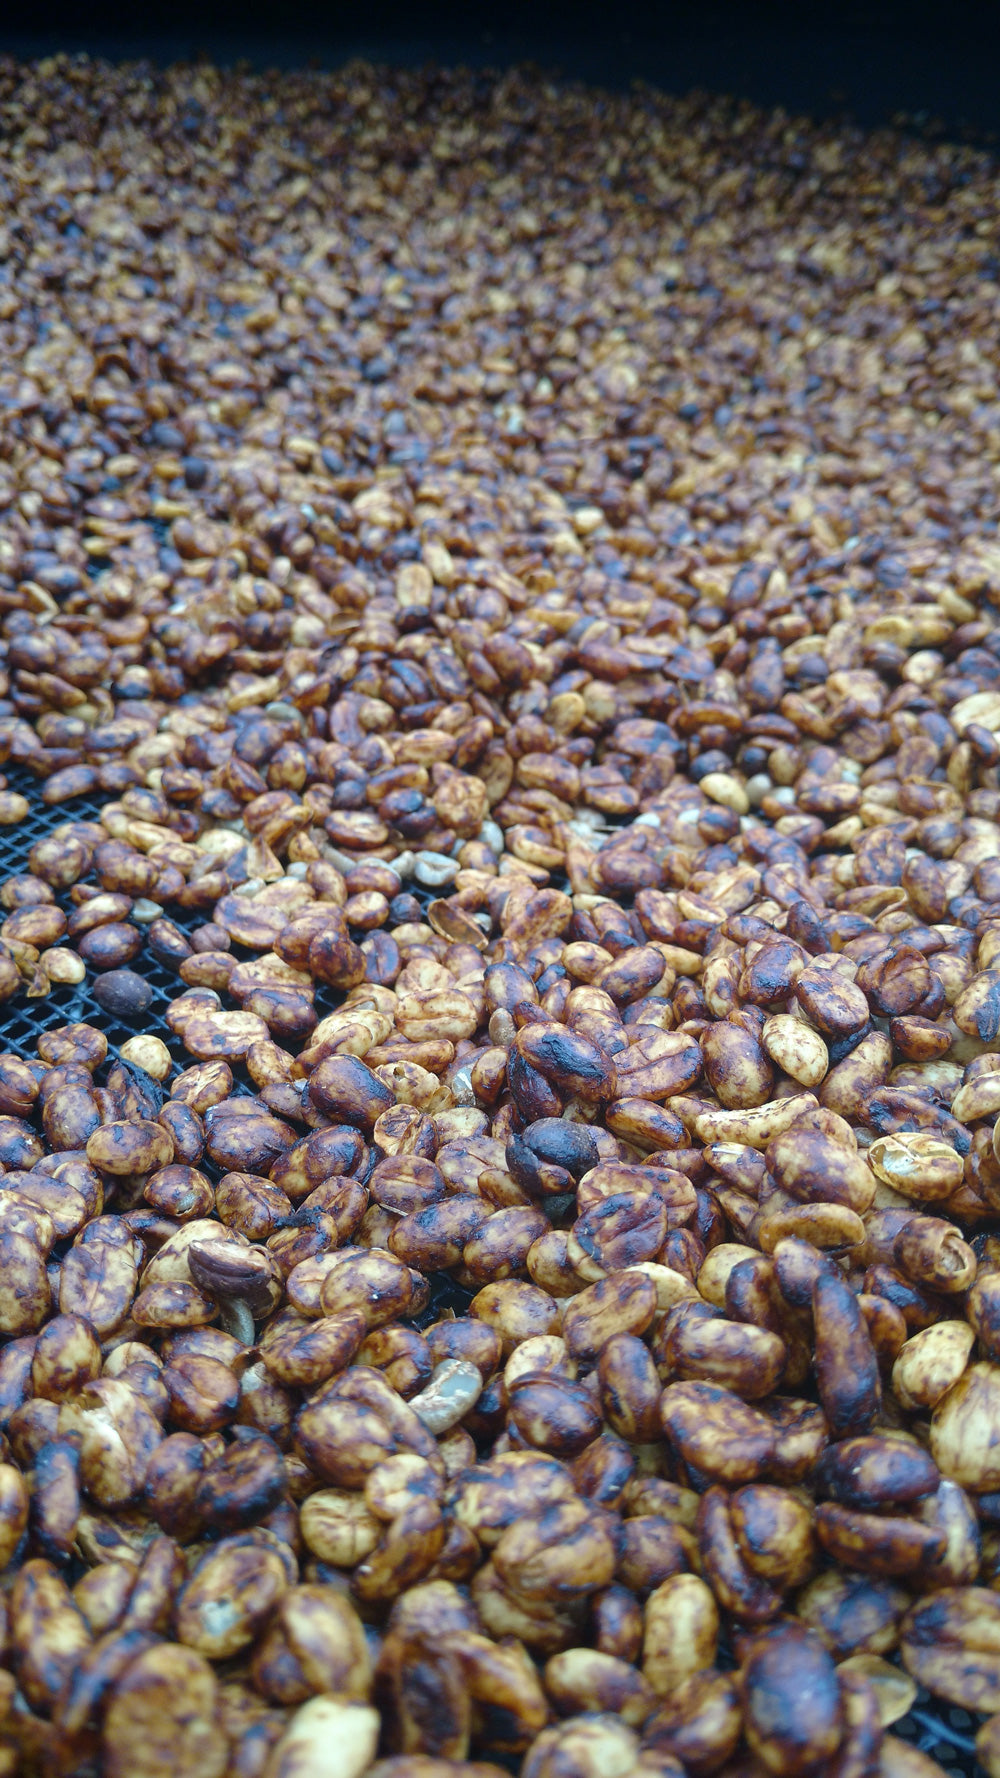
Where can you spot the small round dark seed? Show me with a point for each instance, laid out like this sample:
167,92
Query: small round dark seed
122,993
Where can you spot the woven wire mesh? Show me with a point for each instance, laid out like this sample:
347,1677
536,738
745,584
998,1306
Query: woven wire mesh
22,1021
942,1731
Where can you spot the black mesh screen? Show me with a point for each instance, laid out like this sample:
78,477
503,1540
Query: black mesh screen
944,1732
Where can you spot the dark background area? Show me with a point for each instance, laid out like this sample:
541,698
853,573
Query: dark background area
936,62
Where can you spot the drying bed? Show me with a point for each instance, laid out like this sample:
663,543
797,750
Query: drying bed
500,871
